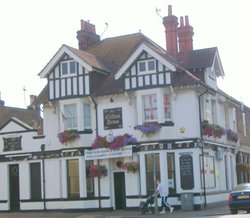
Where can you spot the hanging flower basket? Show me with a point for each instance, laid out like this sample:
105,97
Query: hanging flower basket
232,136
97,171
118,142
218,131
68,135
148,129
131,167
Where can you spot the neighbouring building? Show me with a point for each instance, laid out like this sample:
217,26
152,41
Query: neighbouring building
243,155
117,114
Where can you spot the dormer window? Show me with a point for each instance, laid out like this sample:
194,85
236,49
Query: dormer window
68,68
146,66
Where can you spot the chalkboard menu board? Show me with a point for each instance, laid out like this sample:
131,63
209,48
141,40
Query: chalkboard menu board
12,144
186,171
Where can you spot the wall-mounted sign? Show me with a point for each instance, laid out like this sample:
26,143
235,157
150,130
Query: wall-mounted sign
12,144
106,153
112,118
186,171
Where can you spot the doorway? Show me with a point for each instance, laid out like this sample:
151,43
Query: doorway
120,193
14,187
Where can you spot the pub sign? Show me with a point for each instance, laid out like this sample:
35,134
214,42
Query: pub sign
112,118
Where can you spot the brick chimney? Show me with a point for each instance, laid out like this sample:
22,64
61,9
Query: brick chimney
1,101
170,23
87,36
185,34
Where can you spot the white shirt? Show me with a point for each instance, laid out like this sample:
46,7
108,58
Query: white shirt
162,190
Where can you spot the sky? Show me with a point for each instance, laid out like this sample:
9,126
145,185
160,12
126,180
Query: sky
32,31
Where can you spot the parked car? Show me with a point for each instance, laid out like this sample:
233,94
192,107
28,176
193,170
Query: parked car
239,198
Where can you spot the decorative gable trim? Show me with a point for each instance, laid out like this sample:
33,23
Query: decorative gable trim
217,66
18,122
134,56
62,51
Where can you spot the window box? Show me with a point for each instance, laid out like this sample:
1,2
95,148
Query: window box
148,129
118,142
68,135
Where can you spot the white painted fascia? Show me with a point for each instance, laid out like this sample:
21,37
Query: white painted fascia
135,55
217,58
64,49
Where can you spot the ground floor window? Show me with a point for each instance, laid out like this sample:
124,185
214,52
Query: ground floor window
73,178
89,180
171,173
35,181
207,171
152,171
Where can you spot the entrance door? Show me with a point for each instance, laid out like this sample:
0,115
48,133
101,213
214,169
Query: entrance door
120,195
14,187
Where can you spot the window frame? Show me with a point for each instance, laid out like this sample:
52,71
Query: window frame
147,66
89,180
169,108
68,67
86,117
69,177
153,108
68,122
150,184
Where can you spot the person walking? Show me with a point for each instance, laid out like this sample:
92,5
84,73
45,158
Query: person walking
162,190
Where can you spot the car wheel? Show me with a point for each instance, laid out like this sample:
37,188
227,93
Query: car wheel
234,211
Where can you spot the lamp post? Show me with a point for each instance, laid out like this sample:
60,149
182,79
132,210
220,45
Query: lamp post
43,156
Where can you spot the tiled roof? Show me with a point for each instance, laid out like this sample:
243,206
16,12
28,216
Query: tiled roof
27,116
112,53
197,59
89,58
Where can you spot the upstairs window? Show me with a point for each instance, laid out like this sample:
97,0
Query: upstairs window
149,108
214,112
70,116
146,66
68,68
86,116
167,108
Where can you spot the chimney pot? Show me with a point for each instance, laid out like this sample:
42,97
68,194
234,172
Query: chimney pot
170,23
181,22
170,10
186,21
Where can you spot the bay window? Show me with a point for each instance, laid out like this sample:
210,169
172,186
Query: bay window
86,116
167,108
149,108
70,116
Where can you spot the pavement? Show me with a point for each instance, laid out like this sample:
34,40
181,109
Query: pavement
212,210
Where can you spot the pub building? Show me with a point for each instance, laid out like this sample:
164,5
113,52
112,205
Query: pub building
117,114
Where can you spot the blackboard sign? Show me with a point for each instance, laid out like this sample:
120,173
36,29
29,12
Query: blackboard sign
12,144
112,118
186,171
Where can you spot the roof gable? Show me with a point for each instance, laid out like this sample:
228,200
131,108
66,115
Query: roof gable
136,54
14,124
87,60
217,65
